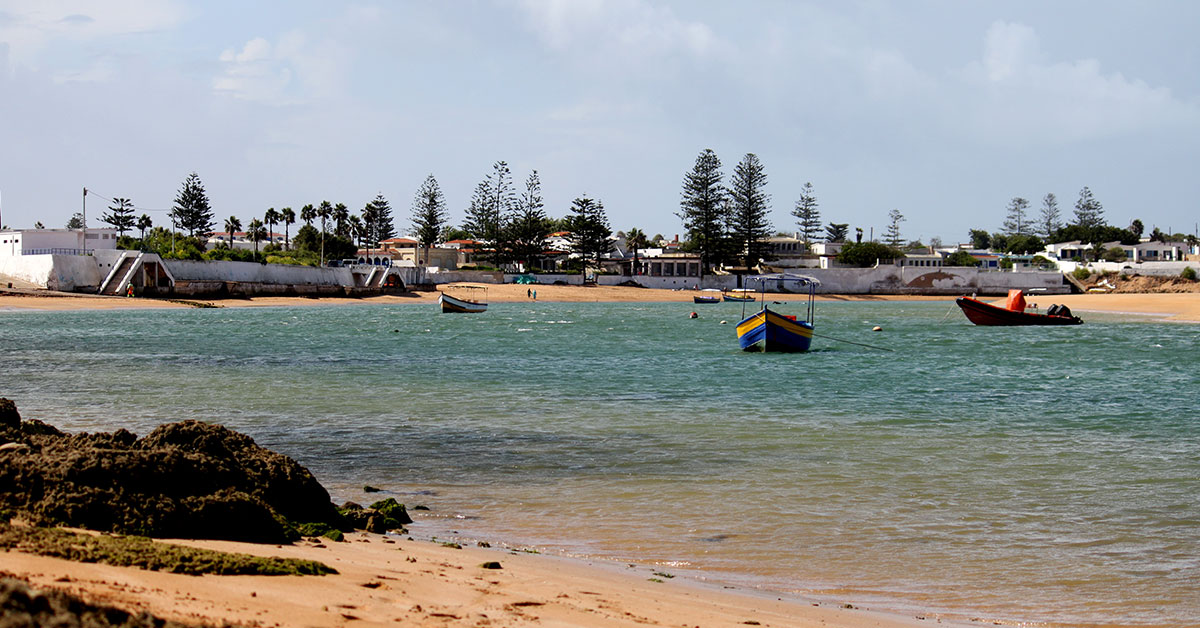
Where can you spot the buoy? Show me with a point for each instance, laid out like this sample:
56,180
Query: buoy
694,315
723,322
877,328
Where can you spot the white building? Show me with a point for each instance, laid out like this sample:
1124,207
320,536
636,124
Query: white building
15,242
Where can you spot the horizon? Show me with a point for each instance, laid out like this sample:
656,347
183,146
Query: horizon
944,112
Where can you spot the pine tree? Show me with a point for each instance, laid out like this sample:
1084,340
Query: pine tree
1016,223
191,212
490,209
702,209
429,212
892,234
1089,213
590,231
529,227
837,231
807,216
120,216
1050,220
377,221
749,226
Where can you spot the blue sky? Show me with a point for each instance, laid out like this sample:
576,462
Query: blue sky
944,110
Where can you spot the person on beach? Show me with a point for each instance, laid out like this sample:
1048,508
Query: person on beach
129,290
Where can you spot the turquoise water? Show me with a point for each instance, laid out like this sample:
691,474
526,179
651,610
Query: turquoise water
1046,475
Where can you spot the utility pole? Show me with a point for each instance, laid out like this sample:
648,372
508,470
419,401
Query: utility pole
85,221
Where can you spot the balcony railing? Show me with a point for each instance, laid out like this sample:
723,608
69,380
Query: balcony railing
56,251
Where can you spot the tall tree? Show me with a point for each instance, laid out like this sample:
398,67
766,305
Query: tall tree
837,231
271,217
358,230
287,217
324,211
892,234
256,232
232,224
308,214
980,239
428,212
377,219
1137,228
748,222
636,239
590,230
490,210
1050,220
340,215
1015,222
75,221
808,218
192,212
529,226
702,209
143,224
1089,212
120,215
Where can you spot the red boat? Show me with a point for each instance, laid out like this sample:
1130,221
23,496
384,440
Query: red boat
1013,312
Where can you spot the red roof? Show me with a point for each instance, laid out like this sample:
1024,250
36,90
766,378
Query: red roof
399,241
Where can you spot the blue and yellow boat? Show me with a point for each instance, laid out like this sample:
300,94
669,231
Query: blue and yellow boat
768,330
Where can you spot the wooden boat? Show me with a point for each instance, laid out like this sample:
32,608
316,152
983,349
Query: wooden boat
475,304
1014,312
739,295
768,330
707,295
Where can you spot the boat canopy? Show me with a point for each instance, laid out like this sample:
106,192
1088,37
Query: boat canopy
1016,301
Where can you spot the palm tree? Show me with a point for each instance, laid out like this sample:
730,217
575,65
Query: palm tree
144,223
256,232
340,215
231,225
271,217
308,214
288,217
636,239
324,211
358,229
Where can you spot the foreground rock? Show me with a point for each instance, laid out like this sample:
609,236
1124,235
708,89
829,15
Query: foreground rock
22,605
188,480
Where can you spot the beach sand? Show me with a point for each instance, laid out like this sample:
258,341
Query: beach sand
1183,307
397,581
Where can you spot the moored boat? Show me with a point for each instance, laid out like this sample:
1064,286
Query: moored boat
1014,312
739,295
462,305
707,295
768,330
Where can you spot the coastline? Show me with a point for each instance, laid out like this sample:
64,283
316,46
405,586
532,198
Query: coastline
395,579
1178,307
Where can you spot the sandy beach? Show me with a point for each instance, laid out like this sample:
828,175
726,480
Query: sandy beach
392,580
1182,307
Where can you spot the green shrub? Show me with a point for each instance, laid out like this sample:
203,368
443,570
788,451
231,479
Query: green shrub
1081,273
1188,273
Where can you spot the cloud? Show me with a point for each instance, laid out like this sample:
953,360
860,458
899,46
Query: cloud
41,33
1018,97
630,29
259,72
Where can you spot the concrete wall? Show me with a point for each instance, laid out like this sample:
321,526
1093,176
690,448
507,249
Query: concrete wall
68,273
473,276
1153,269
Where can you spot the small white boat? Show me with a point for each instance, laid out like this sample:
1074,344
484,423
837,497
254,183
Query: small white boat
463,305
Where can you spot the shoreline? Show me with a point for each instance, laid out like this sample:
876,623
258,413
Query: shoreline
389,579
1176,307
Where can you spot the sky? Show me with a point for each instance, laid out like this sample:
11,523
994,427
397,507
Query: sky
941,109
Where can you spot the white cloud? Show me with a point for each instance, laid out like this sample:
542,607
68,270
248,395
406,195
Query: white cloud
32,29
1017,97
625,28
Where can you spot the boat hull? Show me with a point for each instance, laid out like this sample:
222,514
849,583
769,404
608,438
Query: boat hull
453,305
706,299
989,315
768,330
738,299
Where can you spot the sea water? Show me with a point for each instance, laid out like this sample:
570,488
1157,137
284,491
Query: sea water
1041,475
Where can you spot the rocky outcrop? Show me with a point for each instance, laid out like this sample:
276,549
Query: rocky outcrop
189,479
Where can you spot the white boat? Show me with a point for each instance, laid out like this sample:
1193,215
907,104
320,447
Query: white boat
462,305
